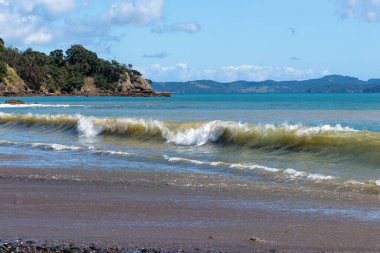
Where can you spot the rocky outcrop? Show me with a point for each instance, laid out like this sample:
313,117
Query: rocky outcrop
13,85
139,84
14,102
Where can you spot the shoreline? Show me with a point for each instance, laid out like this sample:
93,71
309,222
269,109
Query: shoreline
155,210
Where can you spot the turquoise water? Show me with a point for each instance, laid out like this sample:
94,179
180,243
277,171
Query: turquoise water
324,140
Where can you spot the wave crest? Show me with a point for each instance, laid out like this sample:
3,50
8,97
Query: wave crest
269,137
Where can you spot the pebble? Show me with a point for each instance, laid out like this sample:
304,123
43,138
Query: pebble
31,246
255,239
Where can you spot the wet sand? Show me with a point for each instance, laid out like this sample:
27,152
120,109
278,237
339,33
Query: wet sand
164,210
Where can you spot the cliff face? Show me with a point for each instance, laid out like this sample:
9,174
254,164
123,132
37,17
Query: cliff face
12,84
125,84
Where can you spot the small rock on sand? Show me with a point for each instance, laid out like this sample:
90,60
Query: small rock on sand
255,239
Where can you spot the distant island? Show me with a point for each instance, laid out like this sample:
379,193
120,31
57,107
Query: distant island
327,84
78,71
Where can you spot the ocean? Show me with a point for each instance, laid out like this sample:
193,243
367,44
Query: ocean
323,142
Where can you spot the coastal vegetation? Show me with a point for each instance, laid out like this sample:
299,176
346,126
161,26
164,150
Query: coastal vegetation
74,71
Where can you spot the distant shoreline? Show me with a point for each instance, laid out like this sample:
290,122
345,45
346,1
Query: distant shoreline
326,84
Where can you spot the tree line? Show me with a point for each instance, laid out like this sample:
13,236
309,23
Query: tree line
63,71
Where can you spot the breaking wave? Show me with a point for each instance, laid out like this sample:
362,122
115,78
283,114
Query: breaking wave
260,136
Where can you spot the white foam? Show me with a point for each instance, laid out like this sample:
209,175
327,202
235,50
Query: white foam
35,105
253,167
116,153
301,130
295,173
292,173
5,142
208,132
377,182
55,146
61,147
179,159
215,164
86,127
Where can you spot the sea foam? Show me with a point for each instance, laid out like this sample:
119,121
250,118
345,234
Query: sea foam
37,105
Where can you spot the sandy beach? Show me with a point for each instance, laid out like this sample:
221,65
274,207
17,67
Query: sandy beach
163,210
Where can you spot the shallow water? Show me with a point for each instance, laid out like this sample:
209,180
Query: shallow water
325,141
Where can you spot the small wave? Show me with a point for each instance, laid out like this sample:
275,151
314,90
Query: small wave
61,147
253,167
285,175
37,105
302,174
291,173
55,146
51,146
112,152
216,164
179,159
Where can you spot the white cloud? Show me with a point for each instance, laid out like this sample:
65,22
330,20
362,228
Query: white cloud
43,22
182,72
44,7
141,12
29,29
187,27
365,10
32,21
247,72
40,37
38,22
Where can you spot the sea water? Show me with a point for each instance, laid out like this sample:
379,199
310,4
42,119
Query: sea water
328,141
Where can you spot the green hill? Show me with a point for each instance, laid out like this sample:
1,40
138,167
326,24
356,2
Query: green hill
77,71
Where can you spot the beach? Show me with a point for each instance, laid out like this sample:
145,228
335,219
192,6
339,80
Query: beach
161,211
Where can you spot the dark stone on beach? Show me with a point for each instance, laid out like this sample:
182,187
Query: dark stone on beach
14,102
70,250
94,248
31,246
30,242
150,251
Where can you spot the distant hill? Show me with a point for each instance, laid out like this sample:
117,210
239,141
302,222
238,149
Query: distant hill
326,84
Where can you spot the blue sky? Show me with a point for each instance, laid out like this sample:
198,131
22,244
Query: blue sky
223,40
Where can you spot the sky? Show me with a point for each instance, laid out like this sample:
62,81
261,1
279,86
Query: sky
222,40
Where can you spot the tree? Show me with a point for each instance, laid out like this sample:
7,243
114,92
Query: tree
85,60
64,71
3,66
57,56
3,70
